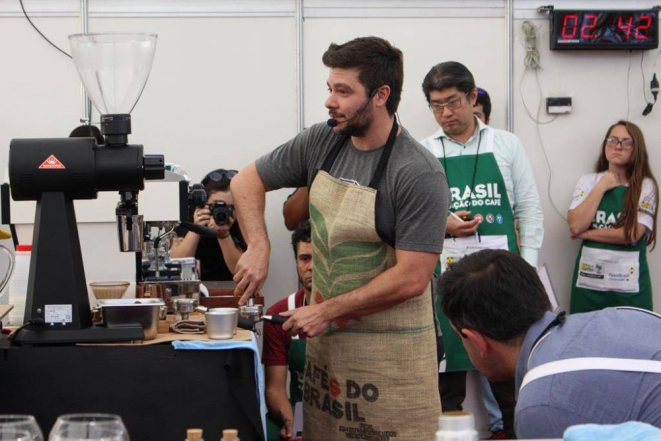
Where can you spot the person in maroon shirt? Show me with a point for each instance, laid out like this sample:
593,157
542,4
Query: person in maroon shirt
282,352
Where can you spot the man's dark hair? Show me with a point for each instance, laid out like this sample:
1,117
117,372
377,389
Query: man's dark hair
379,64
300,234
494,292
484,99
447,75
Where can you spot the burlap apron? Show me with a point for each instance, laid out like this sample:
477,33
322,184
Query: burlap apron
373,378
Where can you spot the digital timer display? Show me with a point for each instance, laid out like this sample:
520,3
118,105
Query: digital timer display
604,29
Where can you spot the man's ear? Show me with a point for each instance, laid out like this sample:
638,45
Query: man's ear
381,96
472,97
478,340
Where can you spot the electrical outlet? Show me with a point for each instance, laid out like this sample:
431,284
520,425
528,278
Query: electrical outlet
558,105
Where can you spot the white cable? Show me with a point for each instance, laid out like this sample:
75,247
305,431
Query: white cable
628,73
541,98
642,71
533,61
655,60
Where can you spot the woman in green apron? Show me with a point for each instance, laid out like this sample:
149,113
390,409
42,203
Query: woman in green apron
614,212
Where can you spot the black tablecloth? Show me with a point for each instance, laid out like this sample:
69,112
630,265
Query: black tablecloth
159,392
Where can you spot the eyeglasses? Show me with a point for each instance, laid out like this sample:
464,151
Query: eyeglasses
219,175
450,105
613,141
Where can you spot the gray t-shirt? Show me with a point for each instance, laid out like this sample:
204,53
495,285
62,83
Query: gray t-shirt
547,406
413,195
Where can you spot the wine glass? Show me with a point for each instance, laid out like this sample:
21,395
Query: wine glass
19,428
89,427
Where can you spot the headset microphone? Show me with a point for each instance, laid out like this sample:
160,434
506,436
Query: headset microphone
332,122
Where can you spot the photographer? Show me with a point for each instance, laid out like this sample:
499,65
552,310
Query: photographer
217,257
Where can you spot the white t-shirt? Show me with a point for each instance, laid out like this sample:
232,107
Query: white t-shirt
646,203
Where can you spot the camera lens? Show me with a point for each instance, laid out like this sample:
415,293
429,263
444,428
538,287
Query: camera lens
221,213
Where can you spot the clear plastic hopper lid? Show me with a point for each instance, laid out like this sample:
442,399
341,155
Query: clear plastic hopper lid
113,68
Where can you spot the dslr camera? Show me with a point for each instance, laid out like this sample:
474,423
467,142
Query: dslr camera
197,197
221,212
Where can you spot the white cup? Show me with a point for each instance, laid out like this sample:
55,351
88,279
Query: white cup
221,322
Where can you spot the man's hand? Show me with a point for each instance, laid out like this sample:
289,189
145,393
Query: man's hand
308,321
461,229
251,271
287,431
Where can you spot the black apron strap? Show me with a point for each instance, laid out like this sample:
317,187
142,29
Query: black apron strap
332,155
385,156
383,161
330,159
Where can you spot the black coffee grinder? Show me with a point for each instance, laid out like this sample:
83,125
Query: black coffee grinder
114,69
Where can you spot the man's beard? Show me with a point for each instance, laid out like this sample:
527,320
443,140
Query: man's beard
359,126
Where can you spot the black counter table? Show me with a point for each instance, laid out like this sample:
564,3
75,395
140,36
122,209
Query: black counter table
158,391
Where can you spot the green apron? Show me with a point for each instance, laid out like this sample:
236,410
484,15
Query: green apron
296,366
477,185
608,275
374,378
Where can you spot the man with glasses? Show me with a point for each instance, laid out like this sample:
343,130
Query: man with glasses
217,256
491,184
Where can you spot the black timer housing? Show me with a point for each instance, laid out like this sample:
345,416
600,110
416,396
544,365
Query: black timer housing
604,29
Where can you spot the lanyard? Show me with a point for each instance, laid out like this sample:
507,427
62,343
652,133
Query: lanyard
477,155
559,319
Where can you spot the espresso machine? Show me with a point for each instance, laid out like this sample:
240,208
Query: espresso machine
159,275
114,69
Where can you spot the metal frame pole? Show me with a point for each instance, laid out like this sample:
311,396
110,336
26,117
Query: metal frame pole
509,13
299,65
86,103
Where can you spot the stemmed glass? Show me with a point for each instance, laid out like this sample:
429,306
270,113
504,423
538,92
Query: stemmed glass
19,428
89,427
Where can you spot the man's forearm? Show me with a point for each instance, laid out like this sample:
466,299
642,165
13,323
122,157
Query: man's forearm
530,255
249,195
278,404
405,280
531,236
